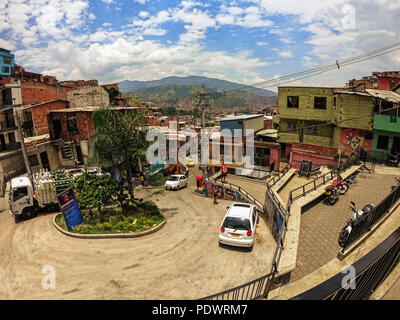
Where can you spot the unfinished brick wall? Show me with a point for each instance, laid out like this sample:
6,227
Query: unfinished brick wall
34,92
88,97
40,112
84,120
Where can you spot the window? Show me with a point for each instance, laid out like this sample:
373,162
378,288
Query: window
11,137
33,160
7,60
320,103
312,132
72,125
292,126
383,142
19,193
292,101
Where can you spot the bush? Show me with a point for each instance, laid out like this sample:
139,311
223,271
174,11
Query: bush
112,220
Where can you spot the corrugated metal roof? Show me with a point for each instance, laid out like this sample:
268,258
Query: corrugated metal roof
385,95
243,117
273,133
358,93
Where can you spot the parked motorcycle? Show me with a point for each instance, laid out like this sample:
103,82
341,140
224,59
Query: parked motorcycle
358,216
341,184
395,186
351,179
332,194
393,160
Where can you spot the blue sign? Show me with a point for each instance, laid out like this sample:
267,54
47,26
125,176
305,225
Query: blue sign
69,208
279,219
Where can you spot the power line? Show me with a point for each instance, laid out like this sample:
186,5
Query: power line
315,71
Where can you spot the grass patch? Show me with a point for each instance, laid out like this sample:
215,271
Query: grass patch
112,220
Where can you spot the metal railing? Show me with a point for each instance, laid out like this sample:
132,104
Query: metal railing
373,217
371,270
311,186
260,287
274,180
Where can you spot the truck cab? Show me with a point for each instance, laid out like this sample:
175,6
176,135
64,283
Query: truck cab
21,198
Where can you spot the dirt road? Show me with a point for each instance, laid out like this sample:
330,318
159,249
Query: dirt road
181,261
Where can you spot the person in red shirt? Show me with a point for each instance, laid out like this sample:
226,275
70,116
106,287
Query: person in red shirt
224,171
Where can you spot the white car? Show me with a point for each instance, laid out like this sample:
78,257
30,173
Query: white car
176,182
238,227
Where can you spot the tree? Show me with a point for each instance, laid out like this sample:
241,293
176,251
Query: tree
119,140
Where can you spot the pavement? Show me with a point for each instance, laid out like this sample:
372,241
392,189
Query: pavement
320,225
181,261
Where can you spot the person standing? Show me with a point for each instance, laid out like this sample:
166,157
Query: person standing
224,171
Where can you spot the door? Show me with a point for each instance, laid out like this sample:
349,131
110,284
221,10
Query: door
20,199
57,129
45,160
396,145
79,154
3,142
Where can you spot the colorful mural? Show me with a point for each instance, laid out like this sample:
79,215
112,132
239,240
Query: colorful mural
354,142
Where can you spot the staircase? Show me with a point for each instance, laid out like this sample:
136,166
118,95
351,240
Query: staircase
67,151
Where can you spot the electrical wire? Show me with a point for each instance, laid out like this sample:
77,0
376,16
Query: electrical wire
315,71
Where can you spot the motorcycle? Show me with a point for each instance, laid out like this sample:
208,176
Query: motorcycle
398,182
393,160
332,194
342,185
351,179
358,217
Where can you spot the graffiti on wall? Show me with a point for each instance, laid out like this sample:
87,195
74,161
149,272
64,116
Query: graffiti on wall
353,142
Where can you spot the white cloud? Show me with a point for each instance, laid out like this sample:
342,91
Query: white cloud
144,14
140,1
261,43
92,16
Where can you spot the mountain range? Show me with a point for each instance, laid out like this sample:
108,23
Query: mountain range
182,90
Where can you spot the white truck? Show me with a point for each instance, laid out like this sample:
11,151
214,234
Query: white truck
27,197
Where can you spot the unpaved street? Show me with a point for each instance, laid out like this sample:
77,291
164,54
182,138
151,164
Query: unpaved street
181,261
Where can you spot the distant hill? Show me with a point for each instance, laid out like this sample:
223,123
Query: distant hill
182,90
210,83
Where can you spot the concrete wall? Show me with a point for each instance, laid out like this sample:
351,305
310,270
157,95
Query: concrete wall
88,97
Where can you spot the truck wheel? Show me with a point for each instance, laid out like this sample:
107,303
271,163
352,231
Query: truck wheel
28,213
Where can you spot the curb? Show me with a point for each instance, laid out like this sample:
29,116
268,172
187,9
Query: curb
200,195
107,236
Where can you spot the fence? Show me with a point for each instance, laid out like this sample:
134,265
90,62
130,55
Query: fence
316,183
370,271
366,222
274,180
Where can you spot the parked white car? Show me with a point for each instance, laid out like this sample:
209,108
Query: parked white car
238,227
176,182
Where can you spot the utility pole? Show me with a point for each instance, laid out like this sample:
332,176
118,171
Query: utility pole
21,137
201,105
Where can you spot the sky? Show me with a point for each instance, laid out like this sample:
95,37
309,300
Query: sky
246,41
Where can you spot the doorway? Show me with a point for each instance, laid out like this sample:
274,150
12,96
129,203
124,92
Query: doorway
45,160
396,145
3,143
57,129
79,154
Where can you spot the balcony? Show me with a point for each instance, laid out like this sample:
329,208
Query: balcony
4,126
387,123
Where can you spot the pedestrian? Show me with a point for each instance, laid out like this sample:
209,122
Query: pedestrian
142,178
215,196
187,172
224,171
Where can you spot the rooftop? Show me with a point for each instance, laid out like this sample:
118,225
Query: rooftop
243,117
